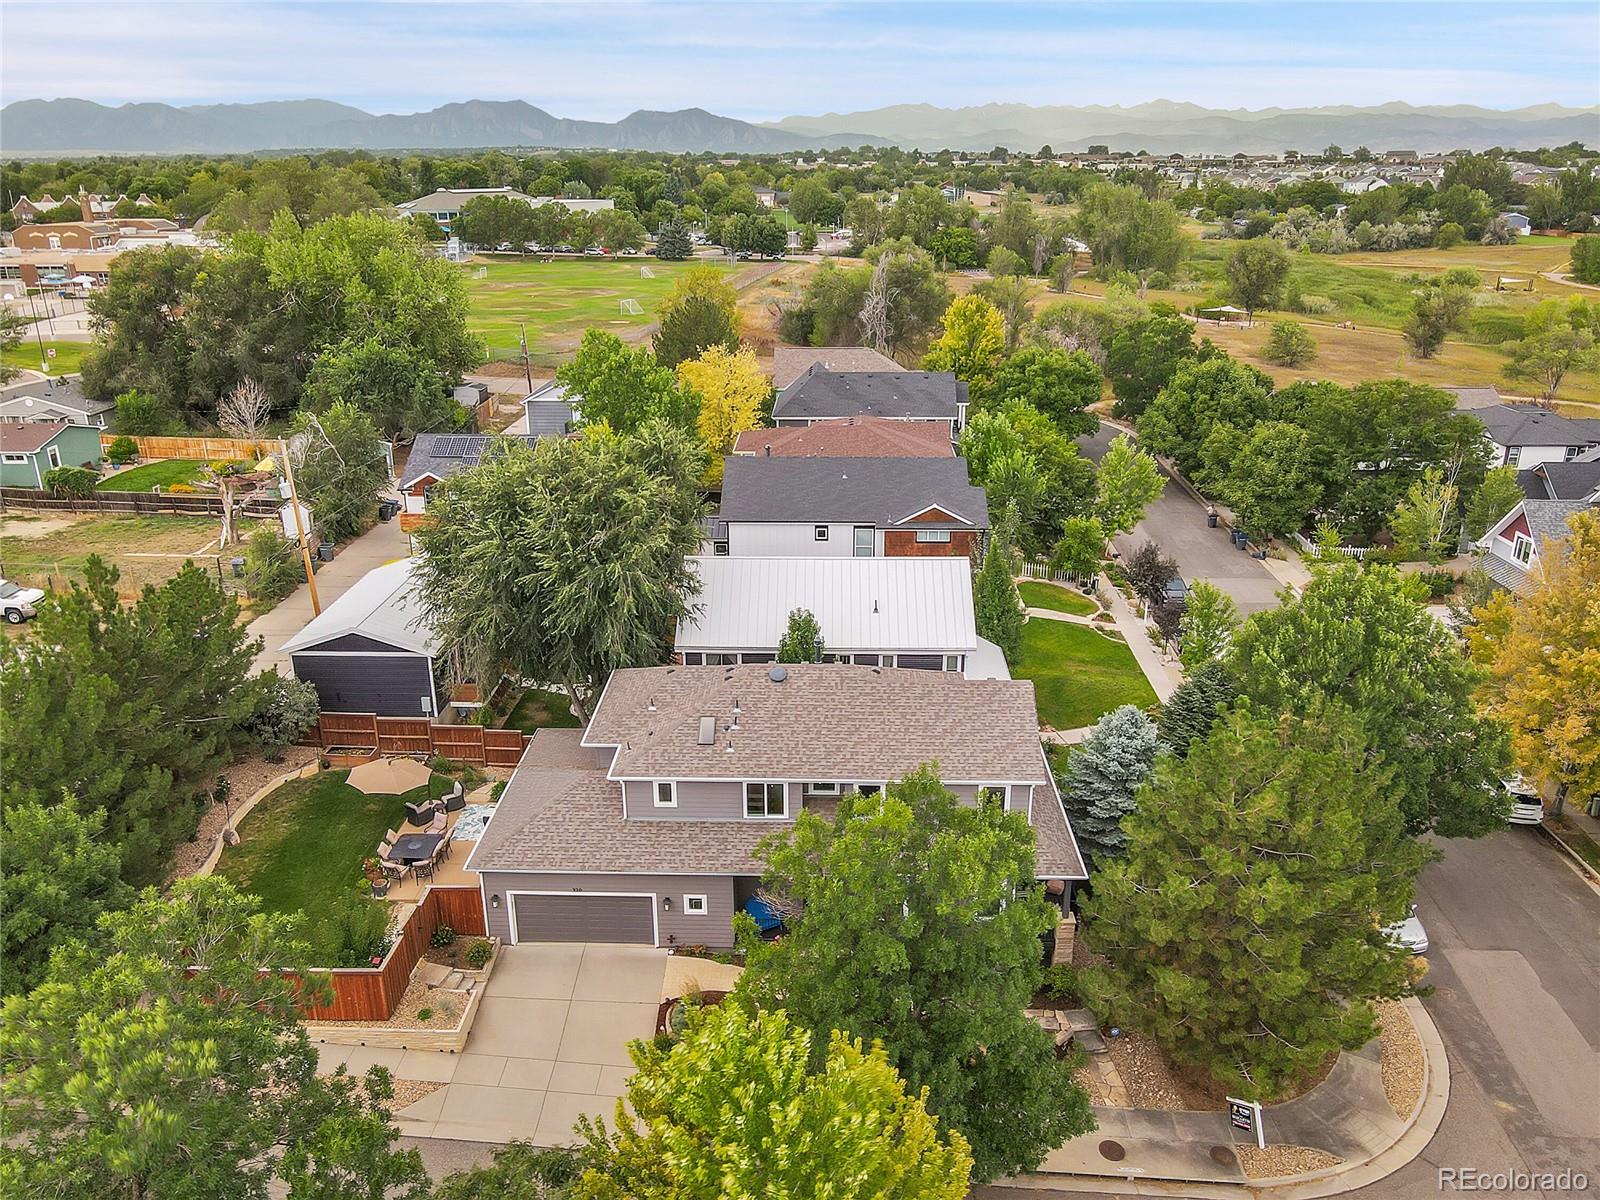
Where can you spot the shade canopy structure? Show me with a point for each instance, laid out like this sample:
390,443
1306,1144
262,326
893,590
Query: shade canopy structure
389,776
1224,308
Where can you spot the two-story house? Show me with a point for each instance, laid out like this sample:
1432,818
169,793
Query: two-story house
1512,546
858,507
823,395
644,827
849,437
914,613
1525,435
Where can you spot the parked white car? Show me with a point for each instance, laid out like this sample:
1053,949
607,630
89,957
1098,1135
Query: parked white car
1527,806
17,602
1409,933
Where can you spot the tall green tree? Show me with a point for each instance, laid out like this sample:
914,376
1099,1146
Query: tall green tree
1497,495
624,386
802,640
400,390
672,240
1271,480
1127,481
1191,710
1355,636
1143,356
343,468
699,312
1125,231
566,561
917,926
1243,929
1103,777
1257,270
1209,619
735,1108
972,344
1204,397
997,605
164,1057
1058,383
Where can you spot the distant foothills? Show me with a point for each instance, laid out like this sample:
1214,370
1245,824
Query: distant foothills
33,127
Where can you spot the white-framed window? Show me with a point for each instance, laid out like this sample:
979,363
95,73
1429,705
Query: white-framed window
865,660
1522,549
666,793
766,801
1513,455
865,540
22,458
721,660
695,906
719,549
993,796
920,662
822,789
693,658
819,533
54,455
952,662
1571,452
933,535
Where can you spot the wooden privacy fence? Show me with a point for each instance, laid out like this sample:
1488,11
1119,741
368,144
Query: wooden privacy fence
418,735
371,993
197,505
212,449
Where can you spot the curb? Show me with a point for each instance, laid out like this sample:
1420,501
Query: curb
1578,861
1419,1129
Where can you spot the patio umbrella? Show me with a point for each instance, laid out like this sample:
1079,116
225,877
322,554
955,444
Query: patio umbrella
388,776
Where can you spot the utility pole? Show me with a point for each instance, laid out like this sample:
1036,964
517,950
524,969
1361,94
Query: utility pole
44,359
527,371
300,528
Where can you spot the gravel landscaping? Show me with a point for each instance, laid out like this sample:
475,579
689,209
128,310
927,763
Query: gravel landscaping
247,776
1283,1160
1401,1058
409,1091
445,1008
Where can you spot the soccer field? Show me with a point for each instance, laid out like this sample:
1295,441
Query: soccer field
559,300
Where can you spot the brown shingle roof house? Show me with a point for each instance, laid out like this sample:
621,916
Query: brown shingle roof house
645,826
850,437
791,362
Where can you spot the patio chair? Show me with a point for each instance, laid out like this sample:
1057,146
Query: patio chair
456,800
394,868
423,868
438,823
444,847
420,814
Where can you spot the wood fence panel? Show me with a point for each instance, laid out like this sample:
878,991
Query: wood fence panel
504,747
180,503
461,908
347,729
211,449
403,735
462,742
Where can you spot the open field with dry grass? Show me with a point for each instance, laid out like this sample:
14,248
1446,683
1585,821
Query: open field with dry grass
49,549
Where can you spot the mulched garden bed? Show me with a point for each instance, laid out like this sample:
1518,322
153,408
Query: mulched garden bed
247,776
664,1009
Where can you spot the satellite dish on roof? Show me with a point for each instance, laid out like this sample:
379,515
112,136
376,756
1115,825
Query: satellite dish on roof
778,674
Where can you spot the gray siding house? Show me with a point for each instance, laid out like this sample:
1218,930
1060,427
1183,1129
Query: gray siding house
372,650
644,827
55,399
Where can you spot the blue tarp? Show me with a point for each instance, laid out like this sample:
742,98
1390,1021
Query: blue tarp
765,919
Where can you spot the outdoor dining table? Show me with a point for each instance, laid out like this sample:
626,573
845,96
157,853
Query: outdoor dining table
414,847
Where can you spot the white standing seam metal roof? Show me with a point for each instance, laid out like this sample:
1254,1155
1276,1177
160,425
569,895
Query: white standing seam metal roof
382,605
887,604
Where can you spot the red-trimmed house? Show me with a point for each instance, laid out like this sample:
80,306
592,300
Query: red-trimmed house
1513,544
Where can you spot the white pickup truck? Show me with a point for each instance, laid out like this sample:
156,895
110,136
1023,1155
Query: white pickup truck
17,602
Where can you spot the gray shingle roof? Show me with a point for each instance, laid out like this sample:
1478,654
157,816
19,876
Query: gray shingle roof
1561,480
1470,398
822,393
441,455
791,362
883,491
1530,425
1548,518
64,394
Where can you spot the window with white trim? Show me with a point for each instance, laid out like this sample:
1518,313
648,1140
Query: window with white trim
22,458
822,789
693,658
695,906
1513,454
666,793
766,800
54,455
933,535
952,662
1522,549
865,541
819,533
1571,452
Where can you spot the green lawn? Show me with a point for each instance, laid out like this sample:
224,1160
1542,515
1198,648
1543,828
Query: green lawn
1079,673
306,842
539,709
1037,594
163,473
69,356
559,300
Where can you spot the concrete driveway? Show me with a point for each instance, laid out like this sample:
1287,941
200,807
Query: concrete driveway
550,1043
1177,523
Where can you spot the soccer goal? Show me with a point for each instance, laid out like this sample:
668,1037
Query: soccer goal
646,273
630,308
481,273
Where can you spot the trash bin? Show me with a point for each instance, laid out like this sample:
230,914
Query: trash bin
387,510
238,568
1211,518
325,551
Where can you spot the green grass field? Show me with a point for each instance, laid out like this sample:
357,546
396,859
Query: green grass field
1079,673
25,356
539,709
306,842
559,300
1036,594
164,474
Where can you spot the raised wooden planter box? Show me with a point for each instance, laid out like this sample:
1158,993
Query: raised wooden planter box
340,757
449,1040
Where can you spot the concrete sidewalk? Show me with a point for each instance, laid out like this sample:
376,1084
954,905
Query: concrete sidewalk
383,543
1163,678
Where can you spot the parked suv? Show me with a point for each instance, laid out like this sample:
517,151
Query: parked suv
1527,807
17,602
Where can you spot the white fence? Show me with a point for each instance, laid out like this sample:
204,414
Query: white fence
1035,568
1356,552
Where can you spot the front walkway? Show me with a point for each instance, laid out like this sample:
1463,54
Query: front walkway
1163,678
550,1043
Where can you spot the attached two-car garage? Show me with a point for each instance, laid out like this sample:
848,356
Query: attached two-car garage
583,917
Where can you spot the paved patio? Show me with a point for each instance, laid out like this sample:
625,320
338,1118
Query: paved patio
550,1043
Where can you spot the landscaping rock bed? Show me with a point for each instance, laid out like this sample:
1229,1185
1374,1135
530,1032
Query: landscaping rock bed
246,777
409,1091
1400,1056
1283,1160
445,1008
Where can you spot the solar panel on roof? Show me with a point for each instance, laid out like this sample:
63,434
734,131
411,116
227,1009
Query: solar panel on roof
460,447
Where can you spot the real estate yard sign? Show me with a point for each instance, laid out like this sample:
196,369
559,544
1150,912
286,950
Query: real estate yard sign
1246,1115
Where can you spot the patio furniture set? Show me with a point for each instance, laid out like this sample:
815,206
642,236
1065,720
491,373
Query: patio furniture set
418,853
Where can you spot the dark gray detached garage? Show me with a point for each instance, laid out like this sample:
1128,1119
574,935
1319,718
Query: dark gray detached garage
372,650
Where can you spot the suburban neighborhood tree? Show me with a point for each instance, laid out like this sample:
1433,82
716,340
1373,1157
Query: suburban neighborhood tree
1205,397
1127,481
1209,619
1422,521
13,325
672,240
1289,345
245,411
916,291
1127,232
972,344
737,1107
1012,297
164,1057
1080,548
1191,710
1271,481
1059,384
915,928
1256,271
1586,258
1557,340
802,639
1542,652
400,389
566,561
997,605
1497,495
1144,355
624,386
1149,571
1281,827
699,312
1434,313
1355,636
1104,775
732,389
342,468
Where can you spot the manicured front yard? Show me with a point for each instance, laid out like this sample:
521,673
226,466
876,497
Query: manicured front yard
305,843
162,473
25,355
1036,594
539,709
1079,673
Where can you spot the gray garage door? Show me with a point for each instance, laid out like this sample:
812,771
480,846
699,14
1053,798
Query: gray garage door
583,918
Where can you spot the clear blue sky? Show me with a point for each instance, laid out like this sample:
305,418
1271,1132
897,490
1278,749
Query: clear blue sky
765,60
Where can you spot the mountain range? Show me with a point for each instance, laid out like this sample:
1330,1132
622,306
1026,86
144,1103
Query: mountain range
1160,126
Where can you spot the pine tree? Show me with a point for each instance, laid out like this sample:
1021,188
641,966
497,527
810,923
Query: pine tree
1104,775
1192,709
672,240
1243,929
997,604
